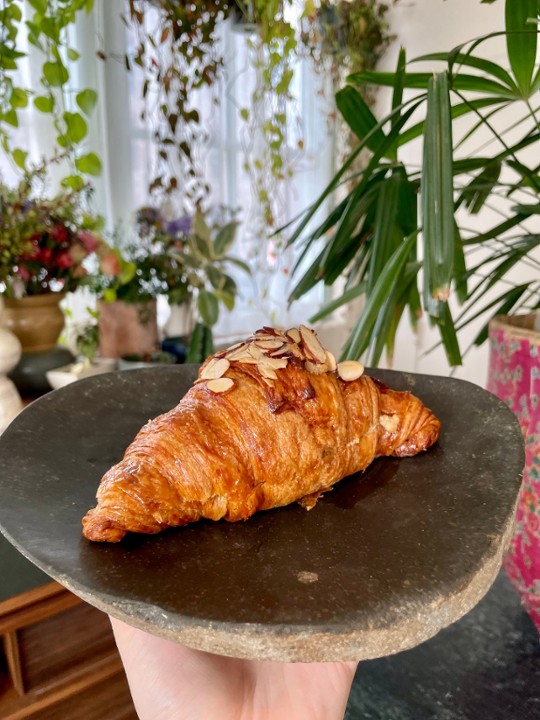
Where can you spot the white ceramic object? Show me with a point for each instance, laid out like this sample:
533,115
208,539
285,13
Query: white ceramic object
10,400
180,322
62,376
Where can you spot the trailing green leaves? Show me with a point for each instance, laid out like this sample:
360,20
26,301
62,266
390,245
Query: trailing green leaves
46,26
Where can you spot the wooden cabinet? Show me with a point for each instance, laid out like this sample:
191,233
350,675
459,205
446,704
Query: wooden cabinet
58,659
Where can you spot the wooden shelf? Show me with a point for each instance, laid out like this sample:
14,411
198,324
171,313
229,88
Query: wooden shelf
58,659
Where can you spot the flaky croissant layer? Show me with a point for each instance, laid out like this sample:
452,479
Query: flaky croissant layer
265,425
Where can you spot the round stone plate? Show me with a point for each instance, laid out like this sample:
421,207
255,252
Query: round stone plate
382,562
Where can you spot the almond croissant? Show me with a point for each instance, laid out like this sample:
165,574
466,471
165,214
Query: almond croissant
268,422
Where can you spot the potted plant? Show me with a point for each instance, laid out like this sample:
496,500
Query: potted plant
45,249
376,238
180,258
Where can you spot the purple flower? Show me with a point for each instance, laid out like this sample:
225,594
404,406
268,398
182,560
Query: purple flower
180,226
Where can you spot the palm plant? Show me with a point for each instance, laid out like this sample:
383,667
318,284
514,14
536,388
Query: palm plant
404,235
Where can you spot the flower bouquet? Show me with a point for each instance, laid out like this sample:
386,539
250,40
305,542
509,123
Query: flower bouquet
45,243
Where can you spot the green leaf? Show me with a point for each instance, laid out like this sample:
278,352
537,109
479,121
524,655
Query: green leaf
226,298
397,93
359,117
89,164
361,335
109,295
196,346
448,333
391,138
480,188
457,110
532,209
200,227
486,66
11,117
86,100
39,6
224,239
437,196
512,295
239,264
386,236
343,299
55,73
73,55
216,277
420,81
208,307
74,182
44,103
76,127
18,98
521,41
460,267
19,158
200,248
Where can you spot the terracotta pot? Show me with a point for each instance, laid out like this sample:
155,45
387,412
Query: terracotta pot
127,328
37,320
514,376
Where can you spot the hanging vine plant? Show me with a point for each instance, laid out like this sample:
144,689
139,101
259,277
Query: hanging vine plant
179,55
273,51
46,28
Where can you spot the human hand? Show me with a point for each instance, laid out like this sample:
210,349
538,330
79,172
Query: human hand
169,681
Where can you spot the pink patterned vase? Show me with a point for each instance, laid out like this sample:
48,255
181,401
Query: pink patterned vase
514,376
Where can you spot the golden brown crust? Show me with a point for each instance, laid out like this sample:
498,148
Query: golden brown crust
260,445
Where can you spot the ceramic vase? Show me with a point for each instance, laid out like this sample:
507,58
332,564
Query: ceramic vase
514,376
181,321
36,320
10,401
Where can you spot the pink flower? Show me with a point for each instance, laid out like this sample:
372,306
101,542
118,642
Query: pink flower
89,241
110,264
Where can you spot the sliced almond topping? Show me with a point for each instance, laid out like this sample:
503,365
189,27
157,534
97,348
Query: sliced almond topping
215,369
234,347
294,335
268,344
247,359
275,363
312,346
330,361
295,350
285,349
267,330
267,372
350,370
254,351
220,385
238,352
315,368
